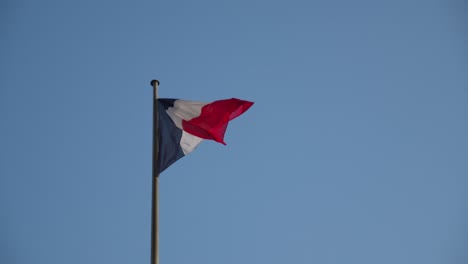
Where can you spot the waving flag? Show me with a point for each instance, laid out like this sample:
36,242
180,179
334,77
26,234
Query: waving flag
184,124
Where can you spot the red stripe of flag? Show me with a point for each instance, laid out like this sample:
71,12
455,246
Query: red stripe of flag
214,118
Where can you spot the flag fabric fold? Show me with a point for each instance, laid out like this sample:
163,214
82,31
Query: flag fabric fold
183,125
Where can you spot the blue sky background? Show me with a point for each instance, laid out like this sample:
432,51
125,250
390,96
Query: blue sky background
354,152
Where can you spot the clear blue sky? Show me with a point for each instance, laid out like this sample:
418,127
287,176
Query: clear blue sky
355,151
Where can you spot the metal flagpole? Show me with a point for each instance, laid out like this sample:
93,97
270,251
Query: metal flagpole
154,210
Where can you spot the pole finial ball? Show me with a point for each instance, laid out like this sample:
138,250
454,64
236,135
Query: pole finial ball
153,81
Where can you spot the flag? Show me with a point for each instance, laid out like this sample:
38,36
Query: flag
184,124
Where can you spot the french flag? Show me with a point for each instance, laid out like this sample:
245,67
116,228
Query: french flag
184,124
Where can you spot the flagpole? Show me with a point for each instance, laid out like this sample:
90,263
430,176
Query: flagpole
154,209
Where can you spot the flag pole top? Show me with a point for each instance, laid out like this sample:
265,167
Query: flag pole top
154,81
